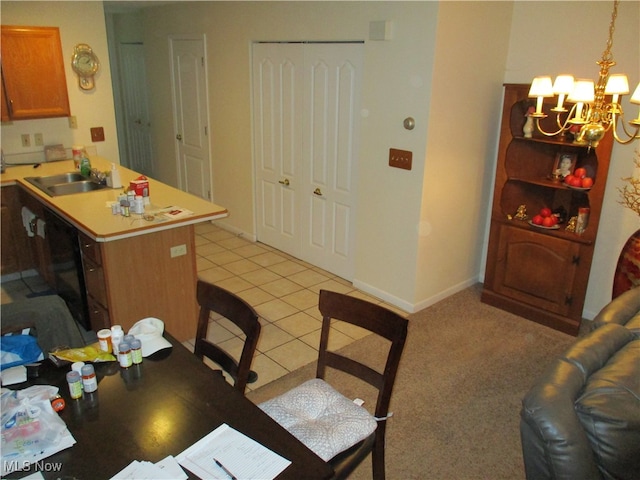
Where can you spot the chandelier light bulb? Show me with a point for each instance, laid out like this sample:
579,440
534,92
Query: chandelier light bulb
562,86
541,88
635,98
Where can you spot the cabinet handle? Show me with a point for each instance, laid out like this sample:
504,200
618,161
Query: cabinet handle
318,192
284,182
179,137
576,260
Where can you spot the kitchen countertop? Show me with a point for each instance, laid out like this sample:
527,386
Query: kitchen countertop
90,212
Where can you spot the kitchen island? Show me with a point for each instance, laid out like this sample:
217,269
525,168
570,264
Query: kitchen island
134,267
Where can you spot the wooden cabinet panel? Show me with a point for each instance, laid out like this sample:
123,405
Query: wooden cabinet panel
15,252
538,273
90,249
38,246
33,77
94,281
98,314
536,269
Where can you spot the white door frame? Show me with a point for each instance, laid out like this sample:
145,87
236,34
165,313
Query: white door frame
202,38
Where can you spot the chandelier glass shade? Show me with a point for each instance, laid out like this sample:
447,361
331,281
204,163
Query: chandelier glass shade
596,106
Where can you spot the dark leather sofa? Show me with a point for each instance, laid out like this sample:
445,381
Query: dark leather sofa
581,418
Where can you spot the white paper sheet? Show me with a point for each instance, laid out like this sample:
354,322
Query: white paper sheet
166,469
14,375
242,456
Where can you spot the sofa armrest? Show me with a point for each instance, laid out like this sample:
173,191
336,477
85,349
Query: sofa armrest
622,310
555,444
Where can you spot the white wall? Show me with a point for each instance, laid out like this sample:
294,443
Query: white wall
397,84
541,42
464,114
79,22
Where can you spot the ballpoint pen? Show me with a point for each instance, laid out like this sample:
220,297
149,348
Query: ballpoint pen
231,475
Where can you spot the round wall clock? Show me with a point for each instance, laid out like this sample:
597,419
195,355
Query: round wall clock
85,63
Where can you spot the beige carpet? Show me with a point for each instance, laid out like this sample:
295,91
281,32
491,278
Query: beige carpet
456,403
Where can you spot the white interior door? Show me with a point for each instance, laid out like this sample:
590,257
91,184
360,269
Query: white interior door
137,125
278,74
191,115
306,123
332,90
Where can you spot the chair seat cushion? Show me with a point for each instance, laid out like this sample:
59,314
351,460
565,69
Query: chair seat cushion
320,417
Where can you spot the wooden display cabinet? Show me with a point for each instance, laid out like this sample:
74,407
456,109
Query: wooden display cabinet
540,273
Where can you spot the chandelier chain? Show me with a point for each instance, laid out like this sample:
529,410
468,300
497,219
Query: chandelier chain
607,56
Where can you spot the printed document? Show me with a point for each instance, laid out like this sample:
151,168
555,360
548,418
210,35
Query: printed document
226,453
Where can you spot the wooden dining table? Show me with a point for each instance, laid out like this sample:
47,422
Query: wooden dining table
155,409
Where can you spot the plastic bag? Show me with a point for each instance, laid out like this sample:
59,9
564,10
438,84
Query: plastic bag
90,353
18,350
29,423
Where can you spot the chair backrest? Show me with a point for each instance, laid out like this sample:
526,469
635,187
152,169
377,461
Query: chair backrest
374,318
212,298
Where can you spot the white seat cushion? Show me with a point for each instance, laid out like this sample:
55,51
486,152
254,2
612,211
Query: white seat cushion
320,417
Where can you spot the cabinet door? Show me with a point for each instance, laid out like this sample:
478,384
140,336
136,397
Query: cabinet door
33,78
536,269
16,254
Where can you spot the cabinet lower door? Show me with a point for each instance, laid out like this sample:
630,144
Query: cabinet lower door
537,269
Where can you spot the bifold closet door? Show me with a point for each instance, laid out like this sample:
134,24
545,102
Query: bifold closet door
306,99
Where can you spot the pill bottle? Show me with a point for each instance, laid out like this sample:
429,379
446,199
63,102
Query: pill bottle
104,339
136,351
138,205
124,208
75,384
89,380
117,334
124,355
57,403
77,367
128,338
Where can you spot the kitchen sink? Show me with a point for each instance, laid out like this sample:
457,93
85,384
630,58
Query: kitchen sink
64,184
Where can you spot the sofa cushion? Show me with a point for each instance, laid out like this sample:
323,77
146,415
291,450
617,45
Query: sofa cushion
609,410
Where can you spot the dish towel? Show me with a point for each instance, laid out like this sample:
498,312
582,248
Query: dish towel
40,227
27,217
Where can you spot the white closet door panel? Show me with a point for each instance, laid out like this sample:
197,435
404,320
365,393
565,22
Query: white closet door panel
277,103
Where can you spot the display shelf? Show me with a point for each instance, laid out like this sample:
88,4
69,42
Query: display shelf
540,273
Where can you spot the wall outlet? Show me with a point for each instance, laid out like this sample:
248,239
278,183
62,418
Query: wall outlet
178,250
26,140
37,138
73,122
400,158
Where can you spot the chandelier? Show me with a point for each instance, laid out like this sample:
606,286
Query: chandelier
591,115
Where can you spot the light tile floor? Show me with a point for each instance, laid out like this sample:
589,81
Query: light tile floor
282,289
284,292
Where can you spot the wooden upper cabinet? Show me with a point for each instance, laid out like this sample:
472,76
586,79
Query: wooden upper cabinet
34,84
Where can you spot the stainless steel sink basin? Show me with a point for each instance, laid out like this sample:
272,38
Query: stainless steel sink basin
64,184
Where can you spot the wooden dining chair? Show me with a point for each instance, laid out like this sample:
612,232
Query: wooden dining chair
212,298
334,427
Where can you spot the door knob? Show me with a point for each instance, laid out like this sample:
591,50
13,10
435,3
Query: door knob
179,137
284,182
317,191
